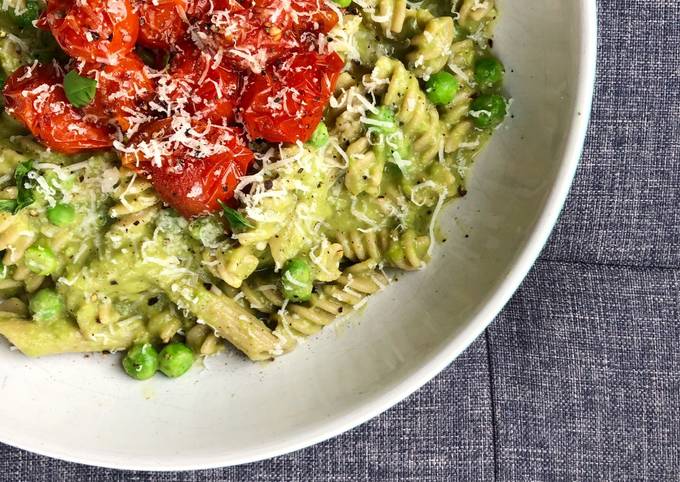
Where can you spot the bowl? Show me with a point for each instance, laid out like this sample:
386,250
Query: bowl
85,409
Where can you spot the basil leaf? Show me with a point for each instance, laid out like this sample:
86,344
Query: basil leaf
8,205
22,170
25,195
236,220
32,11
79,90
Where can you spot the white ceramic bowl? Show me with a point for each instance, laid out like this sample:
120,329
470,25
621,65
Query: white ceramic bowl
87,410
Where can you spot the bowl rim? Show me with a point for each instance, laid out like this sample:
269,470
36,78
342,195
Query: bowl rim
437,362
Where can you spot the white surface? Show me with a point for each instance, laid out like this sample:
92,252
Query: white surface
87,410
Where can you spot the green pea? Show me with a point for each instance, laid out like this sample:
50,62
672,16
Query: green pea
141,361
441,88
343,3
46,305
176,359
488,110
488,72
61,215
41,260
320,136
387,121
297,280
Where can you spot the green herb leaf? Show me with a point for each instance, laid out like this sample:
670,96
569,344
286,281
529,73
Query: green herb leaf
79,90
8,205
235,218
25,195
29,15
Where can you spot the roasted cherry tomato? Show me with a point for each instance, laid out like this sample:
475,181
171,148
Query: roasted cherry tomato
299,15
93,30
209,90
244,37
162,23
286,103
35,96
193,171
122,90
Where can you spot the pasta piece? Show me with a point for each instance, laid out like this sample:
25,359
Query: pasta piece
461,60
326,258
60,336
472,13
364,173
133,194
15,306
202,340
390,15
31,281
418,117
330,301
360,246
230,320
262,293
431,49
16,236
346,109
231,265
165,325
406,251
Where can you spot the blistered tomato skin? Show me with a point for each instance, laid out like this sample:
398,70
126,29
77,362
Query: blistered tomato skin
298,15
93,30
212,89
162,24
122,90
35,97
195,175
286,103
245,39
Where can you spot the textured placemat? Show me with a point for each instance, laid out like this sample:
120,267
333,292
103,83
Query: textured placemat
579,377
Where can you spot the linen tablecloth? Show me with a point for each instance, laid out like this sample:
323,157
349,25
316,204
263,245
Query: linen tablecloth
579,377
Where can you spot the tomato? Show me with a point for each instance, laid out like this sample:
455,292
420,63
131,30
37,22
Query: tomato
243,37
299,15
198,165
210,90
122,90
35,96
162,23
286,103
93,30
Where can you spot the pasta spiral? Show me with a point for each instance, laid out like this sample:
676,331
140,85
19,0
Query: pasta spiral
231,265
16,236
406,251
132,195
431,48
359,246
454,121
472,13
365,169
346,110
262,293
418,117
390,15
202,340
331,300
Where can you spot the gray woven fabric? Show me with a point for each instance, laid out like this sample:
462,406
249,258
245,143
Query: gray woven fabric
579,377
